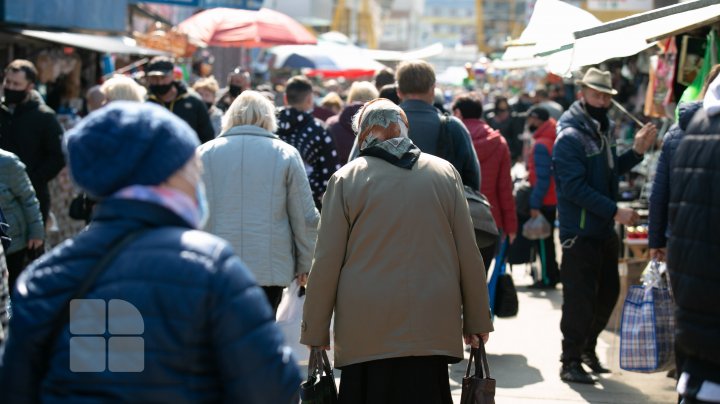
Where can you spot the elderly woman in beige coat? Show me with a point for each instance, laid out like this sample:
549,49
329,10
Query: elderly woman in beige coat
396,261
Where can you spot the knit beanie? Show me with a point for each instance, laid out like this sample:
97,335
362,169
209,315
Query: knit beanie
127,143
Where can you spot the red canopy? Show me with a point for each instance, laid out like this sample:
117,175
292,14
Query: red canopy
230,27
351,74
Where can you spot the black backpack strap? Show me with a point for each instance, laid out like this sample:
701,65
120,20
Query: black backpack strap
63,317
445,147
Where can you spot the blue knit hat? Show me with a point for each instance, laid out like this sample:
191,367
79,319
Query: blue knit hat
127,143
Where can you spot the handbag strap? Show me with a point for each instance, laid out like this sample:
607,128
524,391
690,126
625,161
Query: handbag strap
445,146
481,363
63,317
318,363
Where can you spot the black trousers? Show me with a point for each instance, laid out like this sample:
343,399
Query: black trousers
488,253
589,274
405,380
274,295
551,265
16,263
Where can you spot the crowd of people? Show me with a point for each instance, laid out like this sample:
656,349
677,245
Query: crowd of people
205,203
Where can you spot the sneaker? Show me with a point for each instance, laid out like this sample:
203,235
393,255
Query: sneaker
592,361
573,372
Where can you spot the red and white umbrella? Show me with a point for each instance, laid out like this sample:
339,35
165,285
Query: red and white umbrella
230,27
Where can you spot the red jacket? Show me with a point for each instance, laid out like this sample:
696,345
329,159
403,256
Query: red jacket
544,135
494,157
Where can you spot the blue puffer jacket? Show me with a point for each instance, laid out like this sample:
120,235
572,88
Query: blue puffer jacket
209,334
587,185
660,196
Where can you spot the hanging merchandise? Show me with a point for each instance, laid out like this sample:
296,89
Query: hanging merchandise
692,93
660,86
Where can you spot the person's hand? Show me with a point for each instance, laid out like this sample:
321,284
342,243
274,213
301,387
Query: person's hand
302,279
645,138
658,254
534,213
626,216
474,339
511,237
34,244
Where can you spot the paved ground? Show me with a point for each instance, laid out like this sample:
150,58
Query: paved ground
524,357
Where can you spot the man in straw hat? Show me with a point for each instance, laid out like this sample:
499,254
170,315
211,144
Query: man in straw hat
586,172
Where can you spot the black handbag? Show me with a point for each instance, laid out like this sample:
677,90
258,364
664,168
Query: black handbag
319,388
478,388
506,300
486,231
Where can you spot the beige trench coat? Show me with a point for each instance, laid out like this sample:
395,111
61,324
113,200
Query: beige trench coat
397,263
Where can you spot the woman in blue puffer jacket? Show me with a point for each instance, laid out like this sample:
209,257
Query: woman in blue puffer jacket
174,317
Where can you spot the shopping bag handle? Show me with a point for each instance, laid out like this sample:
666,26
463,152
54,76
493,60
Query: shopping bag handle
480,357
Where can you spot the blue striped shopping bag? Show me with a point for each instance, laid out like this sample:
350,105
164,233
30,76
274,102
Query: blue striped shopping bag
647,330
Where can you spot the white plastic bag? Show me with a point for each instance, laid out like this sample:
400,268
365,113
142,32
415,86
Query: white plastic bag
289,316
536,228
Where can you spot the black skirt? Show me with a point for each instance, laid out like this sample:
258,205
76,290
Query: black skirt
406,380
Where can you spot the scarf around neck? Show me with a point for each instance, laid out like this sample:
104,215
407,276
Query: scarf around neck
398,151
169,198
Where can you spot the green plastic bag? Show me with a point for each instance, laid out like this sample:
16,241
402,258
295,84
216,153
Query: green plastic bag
692,93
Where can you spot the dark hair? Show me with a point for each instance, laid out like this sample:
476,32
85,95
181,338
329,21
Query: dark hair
415,77
541,92
501,99
389,91
384,77
25,66
297,89
539,113
470,106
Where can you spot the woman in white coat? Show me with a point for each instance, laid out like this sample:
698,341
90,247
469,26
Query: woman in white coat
259,196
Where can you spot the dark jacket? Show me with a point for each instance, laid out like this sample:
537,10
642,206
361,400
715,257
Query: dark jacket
305,133
190,109
496,184
340,128
587,183
424,122
540,166
694,246
209,334
33,133
660,196
511,129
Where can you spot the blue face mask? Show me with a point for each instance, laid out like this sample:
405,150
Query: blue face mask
202,202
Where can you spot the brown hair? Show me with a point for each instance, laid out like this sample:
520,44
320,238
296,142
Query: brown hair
415,77
25,66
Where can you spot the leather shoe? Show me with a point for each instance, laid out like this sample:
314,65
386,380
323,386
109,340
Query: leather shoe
594,364
573,372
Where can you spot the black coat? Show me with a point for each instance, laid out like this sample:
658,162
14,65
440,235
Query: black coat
33,133
190,109
694,245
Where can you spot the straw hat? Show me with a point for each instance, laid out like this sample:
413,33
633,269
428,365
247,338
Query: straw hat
598,80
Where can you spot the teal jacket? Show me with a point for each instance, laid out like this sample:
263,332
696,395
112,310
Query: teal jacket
18,202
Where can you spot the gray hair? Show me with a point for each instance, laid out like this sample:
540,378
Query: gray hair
120,87
250,108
